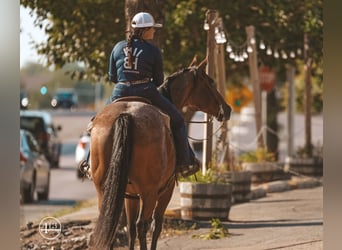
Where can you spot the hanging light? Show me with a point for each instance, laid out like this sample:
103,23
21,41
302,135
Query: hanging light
220,38
269,51
245,55
206,25
276,54
292,54
262,45
252,40
299,51
231,55
249,49
283,54
229,48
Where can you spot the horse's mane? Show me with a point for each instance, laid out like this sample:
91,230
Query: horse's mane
164,88
175,74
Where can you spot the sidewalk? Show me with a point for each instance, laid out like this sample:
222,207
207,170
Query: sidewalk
274,219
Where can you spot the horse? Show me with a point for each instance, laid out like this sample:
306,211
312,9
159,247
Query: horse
132,156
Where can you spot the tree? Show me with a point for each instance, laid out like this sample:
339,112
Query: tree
86,30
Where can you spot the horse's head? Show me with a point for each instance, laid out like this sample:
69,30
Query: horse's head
193,88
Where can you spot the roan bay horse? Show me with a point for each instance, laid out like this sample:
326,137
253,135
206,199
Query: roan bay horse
132,155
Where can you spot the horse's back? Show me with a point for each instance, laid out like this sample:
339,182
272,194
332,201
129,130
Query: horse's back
152,153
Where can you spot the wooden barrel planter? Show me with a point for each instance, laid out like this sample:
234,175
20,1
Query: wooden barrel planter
310,166
241,185
265,172
204,201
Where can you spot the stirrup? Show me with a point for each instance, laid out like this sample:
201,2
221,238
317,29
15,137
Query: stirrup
84,167
187,170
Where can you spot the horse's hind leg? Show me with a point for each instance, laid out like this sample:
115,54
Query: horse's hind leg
159,214
147,205
132,211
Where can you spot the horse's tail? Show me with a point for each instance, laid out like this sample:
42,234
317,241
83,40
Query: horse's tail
115,182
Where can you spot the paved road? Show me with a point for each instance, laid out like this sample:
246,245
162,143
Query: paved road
65,188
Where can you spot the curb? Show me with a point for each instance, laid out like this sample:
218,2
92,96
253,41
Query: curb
260,191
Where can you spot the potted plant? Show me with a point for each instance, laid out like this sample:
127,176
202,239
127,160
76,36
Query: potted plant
239,178
263,166
307,162
204,196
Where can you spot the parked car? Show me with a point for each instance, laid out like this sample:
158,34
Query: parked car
82,151
24,101
41,125
64,98
34,169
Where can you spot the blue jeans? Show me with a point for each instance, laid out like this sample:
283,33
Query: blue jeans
184,153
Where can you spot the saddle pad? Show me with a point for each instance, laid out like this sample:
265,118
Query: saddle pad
133,98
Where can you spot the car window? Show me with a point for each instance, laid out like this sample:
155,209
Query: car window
33,124
32,143
29,143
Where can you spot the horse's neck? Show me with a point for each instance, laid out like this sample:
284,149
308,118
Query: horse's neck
174,90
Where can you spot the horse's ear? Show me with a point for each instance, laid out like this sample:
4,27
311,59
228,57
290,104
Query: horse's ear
203,64
194,61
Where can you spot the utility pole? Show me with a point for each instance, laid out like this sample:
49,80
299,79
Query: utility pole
208,127
254,73
307,95
290,73
221,81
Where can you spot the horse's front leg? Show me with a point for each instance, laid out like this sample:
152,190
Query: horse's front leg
158,215
132,211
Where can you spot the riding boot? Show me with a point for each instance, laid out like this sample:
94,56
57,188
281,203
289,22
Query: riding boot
186,162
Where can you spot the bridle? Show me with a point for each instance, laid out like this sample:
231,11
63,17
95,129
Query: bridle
166,92
220,113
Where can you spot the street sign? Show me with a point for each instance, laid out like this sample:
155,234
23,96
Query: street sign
267,78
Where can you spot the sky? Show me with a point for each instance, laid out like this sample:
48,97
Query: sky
28,34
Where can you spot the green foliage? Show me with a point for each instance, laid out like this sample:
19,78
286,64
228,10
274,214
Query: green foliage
208,177
81,30
86,30
316,90
217,231
258,155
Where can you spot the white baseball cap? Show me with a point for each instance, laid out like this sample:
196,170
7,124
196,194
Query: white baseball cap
144,20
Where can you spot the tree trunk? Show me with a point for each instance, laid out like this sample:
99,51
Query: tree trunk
254,74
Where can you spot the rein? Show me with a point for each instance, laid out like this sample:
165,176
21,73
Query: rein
205,139
220,113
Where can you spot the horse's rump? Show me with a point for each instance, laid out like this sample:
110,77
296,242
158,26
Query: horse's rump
152,153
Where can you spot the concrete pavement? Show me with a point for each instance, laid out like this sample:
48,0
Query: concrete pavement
282,215
279,220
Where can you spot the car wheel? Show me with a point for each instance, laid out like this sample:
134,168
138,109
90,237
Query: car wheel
44,196
27,193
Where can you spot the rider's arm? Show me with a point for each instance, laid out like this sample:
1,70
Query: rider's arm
158,70
112,68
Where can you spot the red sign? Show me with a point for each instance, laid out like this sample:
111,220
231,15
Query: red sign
267,78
